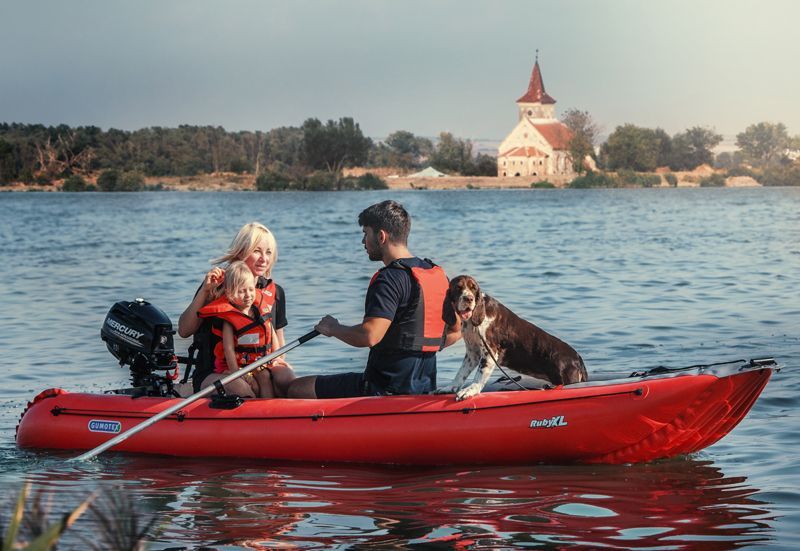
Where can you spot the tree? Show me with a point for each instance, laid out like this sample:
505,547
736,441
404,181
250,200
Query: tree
452,154
584,136
484,165
664,147
285,145
8,162
692,148
763,143
406,149
634,148
334,145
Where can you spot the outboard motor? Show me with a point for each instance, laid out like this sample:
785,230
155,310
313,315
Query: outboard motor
139,335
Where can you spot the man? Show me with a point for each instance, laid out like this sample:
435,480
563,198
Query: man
403,320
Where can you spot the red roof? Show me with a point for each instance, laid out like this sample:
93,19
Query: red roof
556,133
523,152
536,93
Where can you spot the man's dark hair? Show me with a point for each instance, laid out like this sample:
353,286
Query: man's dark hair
389,216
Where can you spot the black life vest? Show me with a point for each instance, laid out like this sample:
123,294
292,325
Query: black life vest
420,327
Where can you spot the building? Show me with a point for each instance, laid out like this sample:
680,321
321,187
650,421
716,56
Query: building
539,145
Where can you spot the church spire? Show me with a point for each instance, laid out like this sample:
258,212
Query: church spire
536,93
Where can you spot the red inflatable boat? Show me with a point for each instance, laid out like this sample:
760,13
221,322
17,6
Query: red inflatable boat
647,416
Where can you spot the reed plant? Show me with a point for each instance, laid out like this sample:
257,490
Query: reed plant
31,529
119,525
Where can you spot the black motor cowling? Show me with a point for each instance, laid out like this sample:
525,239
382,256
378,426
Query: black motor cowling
139,335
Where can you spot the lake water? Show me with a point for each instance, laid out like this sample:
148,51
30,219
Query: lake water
631,278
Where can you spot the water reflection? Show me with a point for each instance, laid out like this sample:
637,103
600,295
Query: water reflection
668,505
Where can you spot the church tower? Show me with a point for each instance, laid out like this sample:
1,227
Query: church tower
536,104
538,146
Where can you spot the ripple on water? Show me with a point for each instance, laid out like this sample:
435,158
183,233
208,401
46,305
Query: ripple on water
630,278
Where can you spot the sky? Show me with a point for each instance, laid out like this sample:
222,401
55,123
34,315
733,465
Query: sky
425,66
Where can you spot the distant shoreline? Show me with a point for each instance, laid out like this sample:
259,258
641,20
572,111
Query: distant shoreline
246,182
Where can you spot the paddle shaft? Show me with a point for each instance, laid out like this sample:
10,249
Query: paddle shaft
194,397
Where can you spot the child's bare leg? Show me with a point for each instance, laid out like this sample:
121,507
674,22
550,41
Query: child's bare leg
282,377
237,386
264,381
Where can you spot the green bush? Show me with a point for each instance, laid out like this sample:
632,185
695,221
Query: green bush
77,183
131,181
714,180
112,180
780,175
544,184
671,179
320,181
240,166
108,179
594,180
631,178
273,180
371,181
742,171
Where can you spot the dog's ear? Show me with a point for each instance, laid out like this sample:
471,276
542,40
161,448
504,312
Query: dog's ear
477,289
448,312
479,313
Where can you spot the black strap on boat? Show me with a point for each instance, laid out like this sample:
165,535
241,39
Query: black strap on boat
661,369
189,360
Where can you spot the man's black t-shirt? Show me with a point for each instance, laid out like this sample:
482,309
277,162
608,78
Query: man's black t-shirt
388,297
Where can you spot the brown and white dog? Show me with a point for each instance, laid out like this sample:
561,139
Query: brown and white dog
490,329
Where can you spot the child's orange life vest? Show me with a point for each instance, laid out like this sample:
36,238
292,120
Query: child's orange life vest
253,331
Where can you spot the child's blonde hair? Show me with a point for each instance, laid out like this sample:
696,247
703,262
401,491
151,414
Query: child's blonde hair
237,275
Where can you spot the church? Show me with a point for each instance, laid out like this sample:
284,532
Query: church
539,145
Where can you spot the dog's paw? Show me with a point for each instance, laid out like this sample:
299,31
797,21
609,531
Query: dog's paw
445,390
468,392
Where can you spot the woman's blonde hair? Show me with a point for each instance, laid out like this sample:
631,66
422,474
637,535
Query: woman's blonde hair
246,242
237,275
243,246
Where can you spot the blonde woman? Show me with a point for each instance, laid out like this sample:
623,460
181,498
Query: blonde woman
254,245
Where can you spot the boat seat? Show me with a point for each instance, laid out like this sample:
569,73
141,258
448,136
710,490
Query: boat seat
504,384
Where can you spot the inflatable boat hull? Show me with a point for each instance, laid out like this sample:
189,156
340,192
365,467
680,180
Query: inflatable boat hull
620,421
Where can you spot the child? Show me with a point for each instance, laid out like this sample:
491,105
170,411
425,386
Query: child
242,316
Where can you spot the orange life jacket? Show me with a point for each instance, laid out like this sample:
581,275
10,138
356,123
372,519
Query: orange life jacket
421,327
253,331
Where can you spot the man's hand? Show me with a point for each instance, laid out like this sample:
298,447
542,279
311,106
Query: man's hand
366,334
327,326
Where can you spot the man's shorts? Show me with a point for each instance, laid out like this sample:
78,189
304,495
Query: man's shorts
344,385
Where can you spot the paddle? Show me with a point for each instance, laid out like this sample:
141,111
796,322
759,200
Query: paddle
183,403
